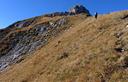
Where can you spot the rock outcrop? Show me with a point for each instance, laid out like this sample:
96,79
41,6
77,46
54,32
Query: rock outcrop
77,9
17,44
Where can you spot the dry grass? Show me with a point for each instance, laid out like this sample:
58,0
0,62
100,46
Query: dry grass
90,56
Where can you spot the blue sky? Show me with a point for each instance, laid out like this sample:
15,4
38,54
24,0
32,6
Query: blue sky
14,10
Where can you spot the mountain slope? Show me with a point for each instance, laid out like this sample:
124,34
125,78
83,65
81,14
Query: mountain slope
25,37
88,50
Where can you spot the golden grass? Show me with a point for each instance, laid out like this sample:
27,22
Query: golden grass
89,44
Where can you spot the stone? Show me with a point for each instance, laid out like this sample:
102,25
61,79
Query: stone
24,23
127,26
77,9
119,49
119,34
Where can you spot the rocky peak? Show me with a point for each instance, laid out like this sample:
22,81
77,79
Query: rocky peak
77,9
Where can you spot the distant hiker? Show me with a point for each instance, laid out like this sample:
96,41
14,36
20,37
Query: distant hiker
96,15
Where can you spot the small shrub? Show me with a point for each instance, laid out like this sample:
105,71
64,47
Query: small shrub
62,56
126,61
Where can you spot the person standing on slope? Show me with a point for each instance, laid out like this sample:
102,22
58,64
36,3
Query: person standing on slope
96,15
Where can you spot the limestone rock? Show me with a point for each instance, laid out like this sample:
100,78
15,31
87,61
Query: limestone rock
77,9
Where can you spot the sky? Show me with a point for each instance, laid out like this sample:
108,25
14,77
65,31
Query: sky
15,10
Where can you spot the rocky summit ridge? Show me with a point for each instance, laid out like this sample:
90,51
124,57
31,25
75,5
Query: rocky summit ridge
77,9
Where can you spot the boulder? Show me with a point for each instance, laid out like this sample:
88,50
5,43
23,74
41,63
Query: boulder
77,9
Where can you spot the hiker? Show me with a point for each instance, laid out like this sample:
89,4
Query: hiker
96,15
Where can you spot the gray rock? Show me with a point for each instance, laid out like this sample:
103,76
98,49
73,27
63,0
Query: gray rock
26,42
77,9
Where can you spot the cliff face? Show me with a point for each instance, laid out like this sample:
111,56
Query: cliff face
65,48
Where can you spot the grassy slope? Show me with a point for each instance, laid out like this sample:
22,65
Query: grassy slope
83,53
